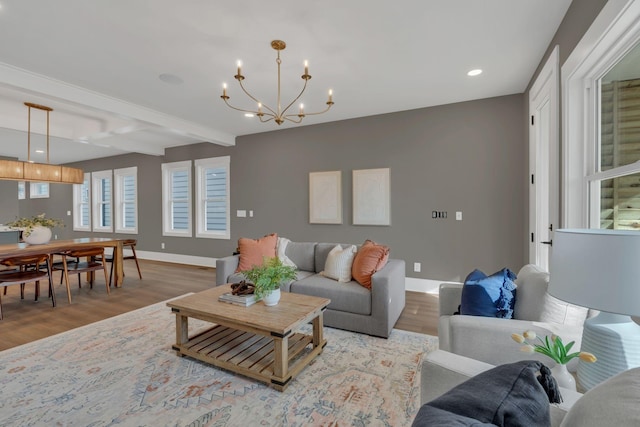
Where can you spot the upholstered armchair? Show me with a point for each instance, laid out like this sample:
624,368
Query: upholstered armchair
488,339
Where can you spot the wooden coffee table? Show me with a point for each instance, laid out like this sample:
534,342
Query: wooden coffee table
257,341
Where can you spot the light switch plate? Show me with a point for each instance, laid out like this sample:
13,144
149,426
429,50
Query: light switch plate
458,216
241,213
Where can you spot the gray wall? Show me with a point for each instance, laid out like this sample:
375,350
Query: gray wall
466,156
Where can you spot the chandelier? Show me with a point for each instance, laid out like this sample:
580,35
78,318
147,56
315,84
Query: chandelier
279,114
39,172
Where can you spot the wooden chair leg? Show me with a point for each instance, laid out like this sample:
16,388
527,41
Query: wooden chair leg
66,277
135,258
37,289
1,306
111,273
21,290
51,293
106,279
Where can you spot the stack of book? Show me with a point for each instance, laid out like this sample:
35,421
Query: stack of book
243,300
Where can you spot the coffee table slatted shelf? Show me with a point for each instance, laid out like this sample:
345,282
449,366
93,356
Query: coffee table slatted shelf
257,341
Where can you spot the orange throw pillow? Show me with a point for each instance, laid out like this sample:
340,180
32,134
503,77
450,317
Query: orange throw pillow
370,258
253,252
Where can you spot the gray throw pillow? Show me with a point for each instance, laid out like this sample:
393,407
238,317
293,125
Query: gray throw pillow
512,395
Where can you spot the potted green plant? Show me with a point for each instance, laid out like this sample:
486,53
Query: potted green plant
268,277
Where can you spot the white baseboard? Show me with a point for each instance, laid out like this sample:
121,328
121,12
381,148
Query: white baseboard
427,286
411,283
199,261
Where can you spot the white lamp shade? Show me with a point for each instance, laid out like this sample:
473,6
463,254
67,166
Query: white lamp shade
599,269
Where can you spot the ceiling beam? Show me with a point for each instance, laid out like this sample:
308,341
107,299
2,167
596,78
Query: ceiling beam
27,80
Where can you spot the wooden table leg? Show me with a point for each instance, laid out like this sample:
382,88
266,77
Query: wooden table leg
281,362
118,270
317,330
182,331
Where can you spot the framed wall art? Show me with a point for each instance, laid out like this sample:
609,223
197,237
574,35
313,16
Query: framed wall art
325,197
371,197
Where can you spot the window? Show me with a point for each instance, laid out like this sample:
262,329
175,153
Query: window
126,200
601,175
176,199
212,192
39,190
102,202
21,190
82,205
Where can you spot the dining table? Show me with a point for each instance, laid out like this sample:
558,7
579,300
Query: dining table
55,246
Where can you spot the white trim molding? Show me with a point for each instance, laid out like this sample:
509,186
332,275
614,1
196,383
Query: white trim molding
613,33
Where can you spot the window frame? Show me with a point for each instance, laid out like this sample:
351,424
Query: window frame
22,190
96,198
201,165
77,212
118,194
34,193
614,32
167,171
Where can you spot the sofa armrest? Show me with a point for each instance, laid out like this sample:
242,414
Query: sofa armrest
489,338
449,298
441,371
225,267
387,296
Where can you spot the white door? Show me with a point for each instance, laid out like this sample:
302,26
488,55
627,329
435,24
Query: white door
543,162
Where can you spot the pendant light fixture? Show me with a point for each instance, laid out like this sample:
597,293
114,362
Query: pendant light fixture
39,172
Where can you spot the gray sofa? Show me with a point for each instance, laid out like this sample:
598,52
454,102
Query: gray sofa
353,307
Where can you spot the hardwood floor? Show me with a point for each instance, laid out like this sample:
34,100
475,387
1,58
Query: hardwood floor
27,320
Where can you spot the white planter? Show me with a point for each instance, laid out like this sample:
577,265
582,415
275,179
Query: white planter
272,298
38,236
563,377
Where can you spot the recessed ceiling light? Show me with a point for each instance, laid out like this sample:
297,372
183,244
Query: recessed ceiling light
171,79
248,114
40,151
475,72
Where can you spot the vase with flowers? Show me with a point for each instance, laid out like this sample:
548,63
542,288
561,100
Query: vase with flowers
558,352
37,229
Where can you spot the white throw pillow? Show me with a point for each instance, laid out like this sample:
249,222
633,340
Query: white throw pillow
281,248
339,262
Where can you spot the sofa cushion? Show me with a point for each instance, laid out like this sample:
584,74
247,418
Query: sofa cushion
613,402
339,262
322,252
492,296
532,284
534,303
371,257
509,395
349,297
253,251
302,254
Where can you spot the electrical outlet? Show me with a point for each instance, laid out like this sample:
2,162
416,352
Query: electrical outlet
162,245
458,216
251,214
417,267
68,213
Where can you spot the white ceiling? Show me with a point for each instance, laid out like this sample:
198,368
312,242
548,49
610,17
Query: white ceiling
97,63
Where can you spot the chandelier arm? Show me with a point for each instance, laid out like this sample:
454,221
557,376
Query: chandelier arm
311,114
243,110
271,117
297,97
292,120
256,100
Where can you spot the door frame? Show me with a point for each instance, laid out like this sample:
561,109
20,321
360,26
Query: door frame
544,185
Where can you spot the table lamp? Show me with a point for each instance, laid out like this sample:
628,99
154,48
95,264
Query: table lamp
600,269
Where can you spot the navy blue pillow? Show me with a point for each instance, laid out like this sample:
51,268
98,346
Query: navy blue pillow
492,296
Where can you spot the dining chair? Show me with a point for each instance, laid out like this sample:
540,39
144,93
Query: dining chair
131,243
73,263
26,269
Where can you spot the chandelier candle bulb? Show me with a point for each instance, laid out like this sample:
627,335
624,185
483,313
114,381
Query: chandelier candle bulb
224,89
306,67
330,96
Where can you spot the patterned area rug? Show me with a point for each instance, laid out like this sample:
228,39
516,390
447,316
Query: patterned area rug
122,371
